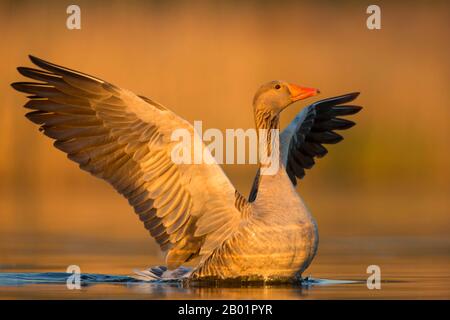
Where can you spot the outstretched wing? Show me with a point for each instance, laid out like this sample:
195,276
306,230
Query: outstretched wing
125,139
302,141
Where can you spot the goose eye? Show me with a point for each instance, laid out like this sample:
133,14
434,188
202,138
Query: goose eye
277,86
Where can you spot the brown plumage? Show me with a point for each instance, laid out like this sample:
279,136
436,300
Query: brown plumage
192,210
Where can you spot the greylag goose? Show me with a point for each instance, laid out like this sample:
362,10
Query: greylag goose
192,210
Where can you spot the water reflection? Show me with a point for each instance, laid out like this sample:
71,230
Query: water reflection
410,268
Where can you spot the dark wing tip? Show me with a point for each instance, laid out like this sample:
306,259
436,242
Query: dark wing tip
345,110
42,63
35,59
19,86
354,95
46,64
64,71
348,96
27,72
334,101
345,98
357,108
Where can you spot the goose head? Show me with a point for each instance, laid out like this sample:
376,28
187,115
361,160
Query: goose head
273,97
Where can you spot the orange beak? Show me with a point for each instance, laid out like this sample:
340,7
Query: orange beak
299,93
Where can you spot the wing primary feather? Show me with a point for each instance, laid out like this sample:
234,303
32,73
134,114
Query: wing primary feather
307,132
123,138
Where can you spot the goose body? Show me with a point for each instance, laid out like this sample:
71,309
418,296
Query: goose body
278,241
192,210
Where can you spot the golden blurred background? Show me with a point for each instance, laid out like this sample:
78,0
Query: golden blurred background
204,60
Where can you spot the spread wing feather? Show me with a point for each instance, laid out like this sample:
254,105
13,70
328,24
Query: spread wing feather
302,141
125,139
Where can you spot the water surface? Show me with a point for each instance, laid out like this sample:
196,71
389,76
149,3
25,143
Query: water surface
411,268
